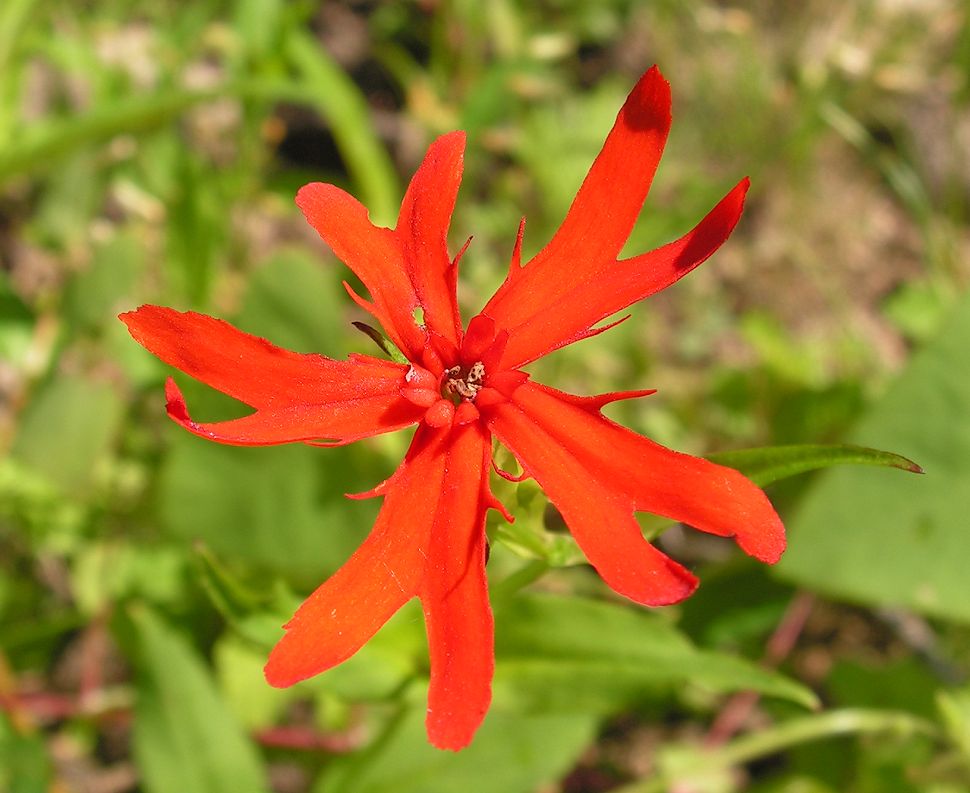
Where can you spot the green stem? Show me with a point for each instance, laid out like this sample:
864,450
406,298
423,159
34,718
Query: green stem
825,725
359,762
329,88
521,578
788,734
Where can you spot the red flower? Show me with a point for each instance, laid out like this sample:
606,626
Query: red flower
462,387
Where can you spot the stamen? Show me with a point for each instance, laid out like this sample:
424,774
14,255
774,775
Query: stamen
466,387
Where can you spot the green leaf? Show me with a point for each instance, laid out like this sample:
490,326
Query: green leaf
510,754
528,535
197,227
954,708
24,764
109,571
16,324
877,537
322,85
280,507
239,669
580,655
905,683
297,303
252,615
697,768
95,295
258,24
67,429
769,464
185,739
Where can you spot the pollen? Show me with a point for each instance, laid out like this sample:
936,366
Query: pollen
465,385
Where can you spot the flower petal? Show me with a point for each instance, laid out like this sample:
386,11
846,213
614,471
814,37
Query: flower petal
407,268
600,219
547,318
422,229
597,473
455,596
296,396
598,514
576,281
332,423
382,575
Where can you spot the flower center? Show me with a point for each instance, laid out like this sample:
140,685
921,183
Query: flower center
464,383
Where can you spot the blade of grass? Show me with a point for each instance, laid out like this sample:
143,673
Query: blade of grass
341,102
684,764
323,87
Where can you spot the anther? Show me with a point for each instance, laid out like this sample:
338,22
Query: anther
467,386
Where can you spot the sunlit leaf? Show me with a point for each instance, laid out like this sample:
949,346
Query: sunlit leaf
185,738
882,538
67,430
769,464
25,766
575,654
510,754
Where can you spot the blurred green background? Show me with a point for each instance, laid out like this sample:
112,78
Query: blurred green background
151,152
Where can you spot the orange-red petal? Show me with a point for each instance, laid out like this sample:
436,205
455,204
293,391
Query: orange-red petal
599,221
455,596
597,473
609,286
297,396
422,231
576,281
407,268
598,514
382,575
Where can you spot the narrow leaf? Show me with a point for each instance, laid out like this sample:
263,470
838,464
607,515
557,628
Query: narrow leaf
186,739
575,654
900,541
510,753
771,463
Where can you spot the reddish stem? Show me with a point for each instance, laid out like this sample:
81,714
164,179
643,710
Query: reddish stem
738,708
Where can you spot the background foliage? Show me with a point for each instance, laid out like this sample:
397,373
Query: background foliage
150,153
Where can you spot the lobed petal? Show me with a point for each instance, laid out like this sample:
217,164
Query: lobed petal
428,541
407,268
600,218
598,514
297,396
576,281
609,286
598,473
455,596
381,576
